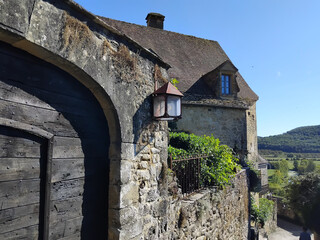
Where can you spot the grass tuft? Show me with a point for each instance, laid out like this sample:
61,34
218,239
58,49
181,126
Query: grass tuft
75,32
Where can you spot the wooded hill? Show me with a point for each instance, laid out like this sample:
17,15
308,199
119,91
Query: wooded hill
298,140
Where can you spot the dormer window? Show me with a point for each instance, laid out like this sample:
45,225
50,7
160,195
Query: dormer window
225,84
223,81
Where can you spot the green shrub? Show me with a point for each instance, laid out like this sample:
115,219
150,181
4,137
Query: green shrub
254,177
306,166
218,169
262,212
303,196
277,189
284,167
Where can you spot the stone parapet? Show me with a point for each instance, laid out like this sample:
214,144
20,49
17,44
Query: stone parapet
207,214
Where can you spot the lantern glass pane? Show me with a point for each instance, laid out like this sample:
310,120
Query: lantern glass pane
159,106
174,106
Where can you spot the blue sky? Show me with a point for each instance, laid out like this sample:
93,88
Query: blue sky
273,43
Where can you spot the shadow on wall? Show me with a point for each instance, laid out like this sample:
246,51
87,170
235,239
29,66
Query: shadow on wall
143,130
80,128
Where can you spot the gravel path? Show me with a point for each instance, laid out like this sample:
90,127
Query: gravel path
286,231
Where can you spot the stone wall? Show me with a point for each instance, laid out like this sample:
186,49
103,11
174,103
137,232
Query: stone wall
252,142
208,214
227,124
264,176
212,214
143,198
121,75
150,212
235,127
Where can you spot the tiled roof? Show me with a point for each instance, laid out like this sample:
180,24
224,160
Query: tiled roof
189,57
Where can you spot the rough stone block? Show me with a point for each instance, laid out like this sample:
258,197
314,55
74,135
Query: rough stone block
143,165
129,194
160,208
152,195
128,215
16,14
201,238
128,151
161,140
133,230
125,171
145,157
143,175
155,150
46,32
145,150
156,158
153,173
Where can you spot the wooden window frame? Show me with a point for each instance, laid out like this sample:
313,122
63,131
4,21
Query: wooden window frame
225,80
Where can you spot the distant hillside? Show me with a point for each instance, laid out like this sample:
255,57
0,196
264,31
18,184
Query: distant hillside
298,140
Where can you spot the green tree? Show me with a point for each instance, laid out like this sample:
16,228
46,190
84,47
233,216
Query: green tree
303,196
306,166
276,165
284,167
302,167
311,166
276,183
277,177
295,165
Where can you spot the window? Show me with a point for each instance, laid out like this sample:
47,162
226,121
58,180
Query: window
225,84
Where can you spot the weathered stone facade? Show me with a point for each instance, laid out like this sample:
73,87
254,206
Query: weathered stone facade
143,204
214,214
251,132
227,124
208,214
235,127
120,74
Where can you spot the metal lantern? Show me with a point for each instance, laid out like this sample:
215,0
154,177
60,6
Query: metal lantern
167,103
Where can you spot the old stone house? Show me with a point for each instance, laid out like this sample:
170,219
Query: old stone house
217,99
81,156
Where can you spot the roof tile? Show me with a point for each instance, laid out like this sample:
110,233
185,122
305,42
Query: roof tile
189,57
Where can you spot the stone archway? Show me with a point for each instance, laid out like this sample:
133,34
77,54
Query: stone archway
35,93
119,76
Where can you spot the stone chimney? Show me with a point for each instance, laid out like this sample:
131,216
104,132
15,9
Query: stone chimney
155,20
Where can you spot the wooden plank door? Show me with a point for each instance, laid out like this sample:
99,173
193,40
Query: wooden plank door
23,160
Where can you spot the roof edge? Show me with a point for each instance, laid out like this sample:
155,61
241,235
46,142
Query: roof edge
225,62
214,105
96,19
165,30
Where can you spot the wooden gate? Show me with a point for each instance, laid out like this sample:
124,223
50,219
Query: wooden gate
54,144
25,172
